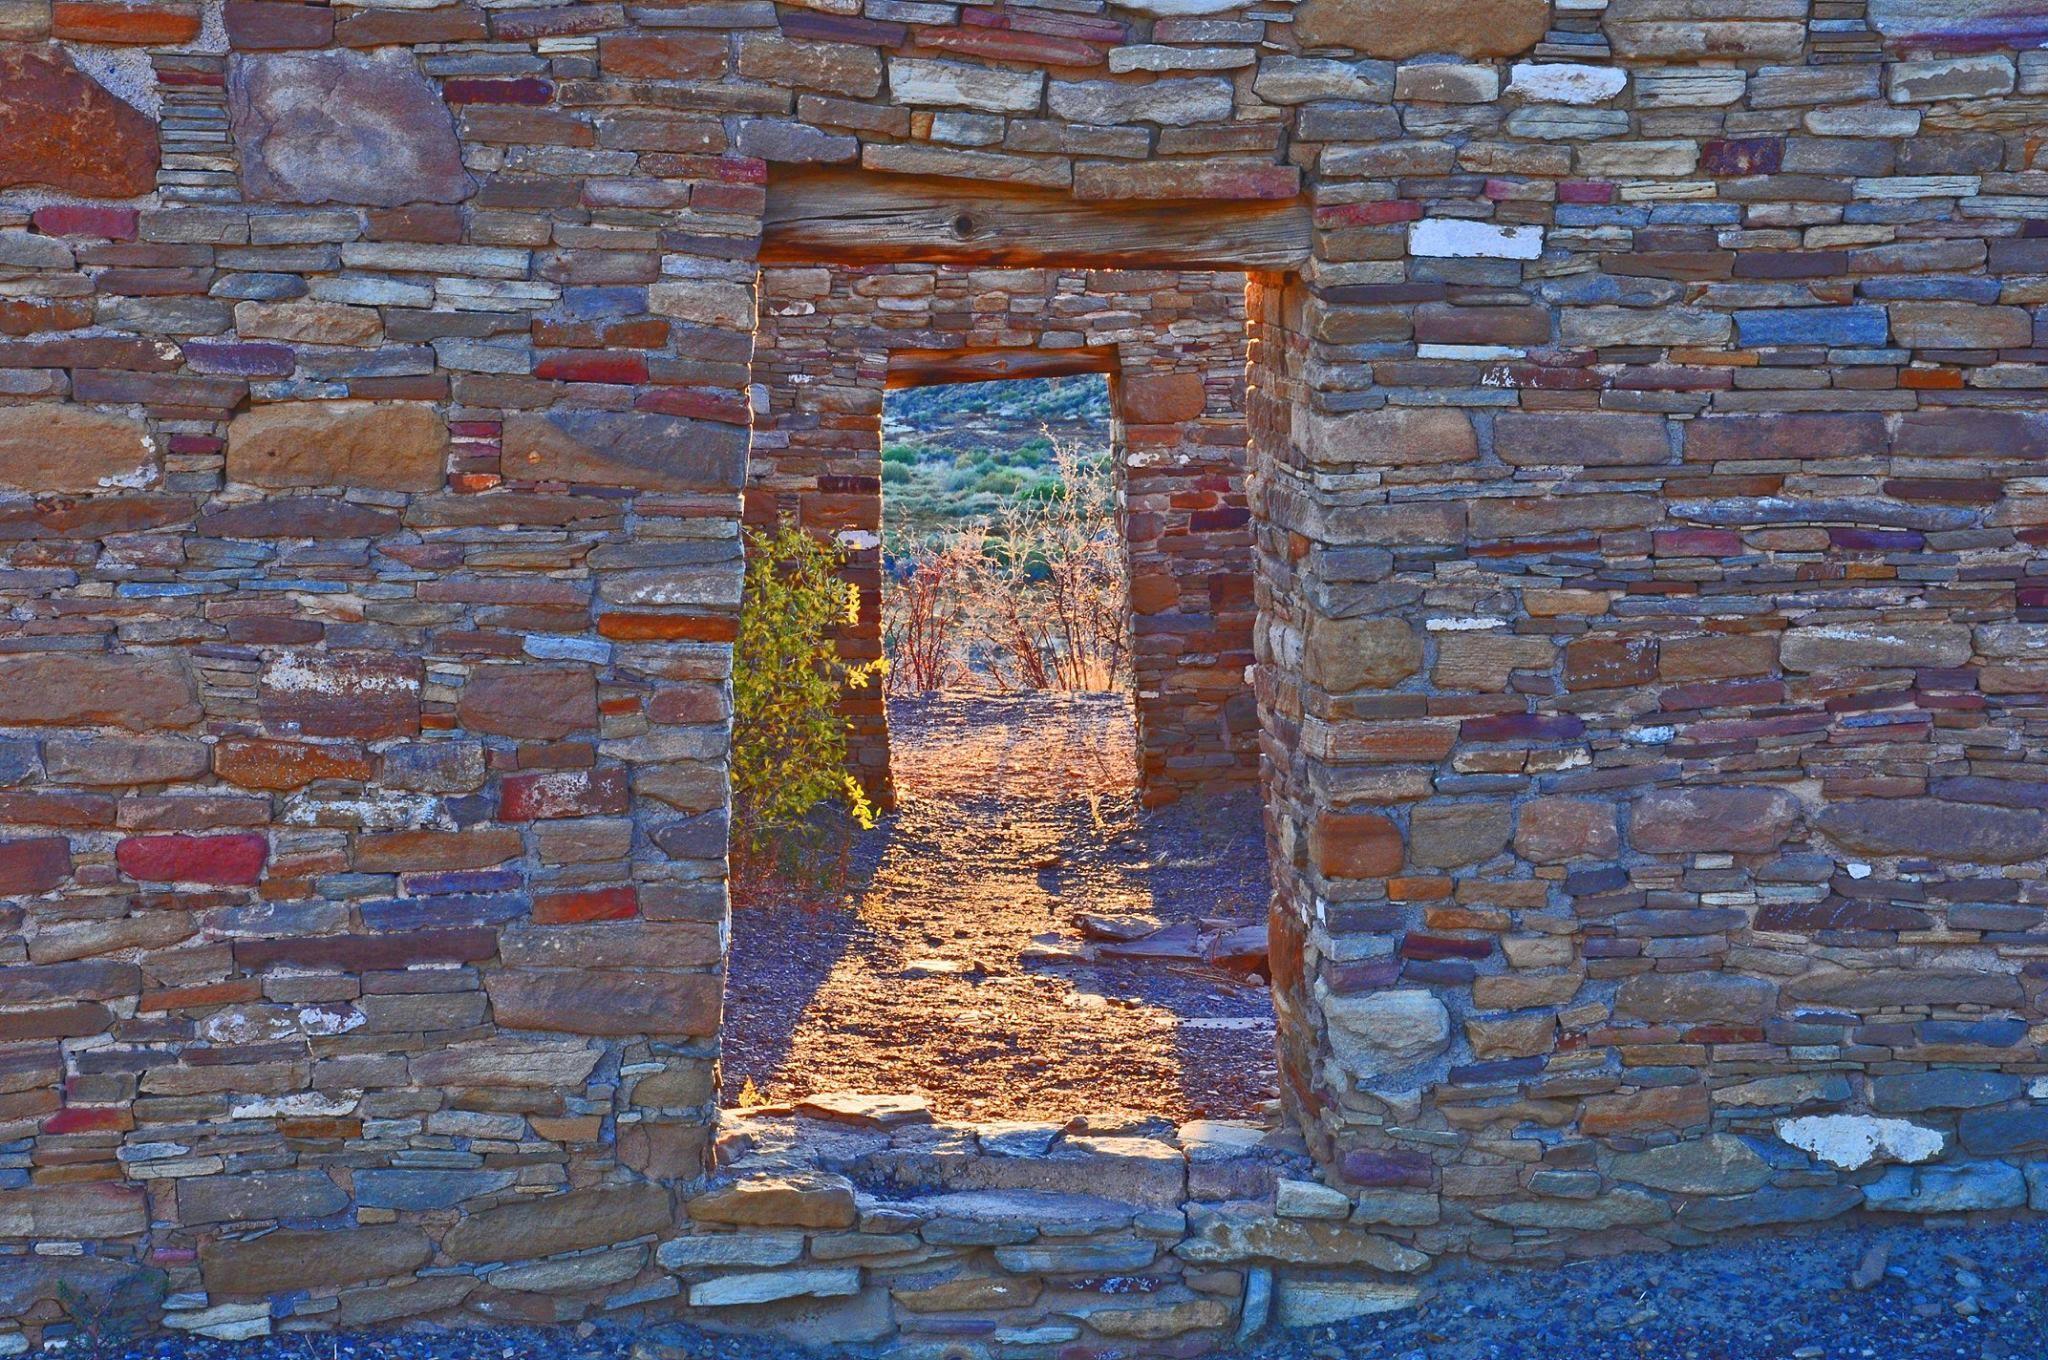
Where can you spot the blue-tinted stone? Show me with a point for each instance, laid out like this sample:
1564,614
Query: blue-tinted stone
2004,1133
1981,1033
1947,1189
1931,288
463,881
435,766
1942,1089
431,913
425,1189
18,762
597,304
1803,1204
1814,326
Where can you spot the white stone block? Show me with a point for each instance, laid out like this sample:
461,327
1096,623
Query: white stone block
1461,238
1850,1141
1565,82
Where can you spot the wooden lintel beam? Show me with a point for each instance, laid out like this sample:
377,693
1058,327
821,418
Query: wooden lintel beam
939,367
855,217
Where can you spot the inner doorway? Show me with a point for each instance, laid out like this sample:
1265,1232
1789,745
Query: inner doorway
1023,937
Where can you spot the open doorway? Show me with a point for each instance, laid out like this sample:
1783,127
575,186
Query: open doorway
1022,937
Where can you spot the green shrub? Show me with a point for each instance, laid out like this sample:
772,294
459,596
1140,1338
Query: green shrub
895,474
789,740
899,453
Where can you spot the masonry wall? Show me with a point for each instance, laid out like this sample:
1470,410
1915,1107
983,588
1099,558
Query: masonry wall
829,342
1648,500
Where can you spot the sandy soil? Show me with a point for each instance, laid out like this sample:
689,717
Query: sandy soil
1017,815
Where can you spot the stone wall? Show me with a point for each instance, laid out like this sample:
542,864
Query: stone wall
832,339
1647,488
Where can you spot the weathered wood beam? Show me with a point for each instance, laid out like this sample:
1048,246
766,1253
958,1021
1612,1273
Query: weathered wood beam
939,367
856,217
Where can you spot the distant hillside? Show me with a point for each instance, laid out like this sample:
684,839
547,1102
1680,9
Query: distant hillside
1024,403
959,452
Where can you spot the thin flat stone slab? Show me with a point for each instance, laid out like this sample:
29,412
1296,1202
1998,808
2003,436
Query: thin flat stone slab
867,1111
343,127
1961,23
62,128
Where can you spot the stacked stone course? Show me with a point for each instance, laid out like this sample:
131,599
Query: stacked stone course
833,340
1646,487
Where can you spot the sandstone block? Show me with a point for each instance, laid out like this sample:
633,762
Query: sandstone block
807,1200
314,517
1233,1236
1960,325
372,446
1407,28
952,84
225,861
1344,655
529,702
1357,845
60,127
49,449
1696,998
1877,645
1937,828
88,758
32,865
366,695
277,765
1719,1164
1321,1303
637,449
1173,102
1871,989
1570,439
773,1286
1525,991
1401,436
1378,1032
1513,1037
1712,820
585,1001
293,1259
1561,830
1800,1204
259,1195
1628,1112
1947,1189
552,1224
1447,835
75,689
1160,398
343,127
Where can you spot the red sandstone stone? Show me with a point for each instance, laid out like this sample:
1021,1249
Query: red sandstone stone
164,24
595,368
597,904
1357,845
259,24
529,702
33,865
60,127
256,764
564,793
228,861
367,695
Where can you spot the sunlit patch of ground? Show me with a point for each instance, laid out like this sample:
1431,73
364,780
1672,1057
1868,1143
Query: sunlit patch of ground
1017,815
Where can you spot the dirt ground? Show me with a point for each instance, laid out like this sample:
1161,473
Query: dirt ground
956,967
